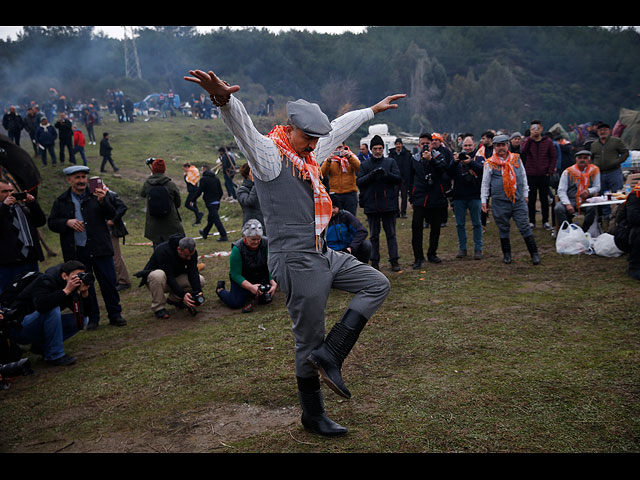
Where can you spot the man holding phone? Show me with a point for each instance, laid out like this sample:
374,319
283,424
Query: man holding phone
20,217
80,216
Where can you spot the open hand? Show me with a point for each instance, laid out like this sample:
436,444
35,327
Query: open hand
212,84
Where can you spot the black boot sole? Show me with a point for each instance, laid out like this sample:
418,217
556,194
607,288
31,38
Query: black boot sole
327,379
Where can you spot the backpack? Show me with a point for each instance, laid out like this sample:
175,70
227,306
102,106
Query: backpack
9,296
159,201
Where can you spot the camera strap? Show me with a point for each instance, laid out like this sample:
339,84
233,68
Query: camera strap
77,312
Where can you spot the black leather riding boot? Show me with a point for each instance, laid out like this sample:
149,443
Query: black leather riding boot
505,243
533,249
314,417
329,356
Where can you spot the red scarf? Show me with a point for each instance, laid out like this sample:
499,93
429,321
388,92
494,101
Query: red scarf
308,169
582,178
508,173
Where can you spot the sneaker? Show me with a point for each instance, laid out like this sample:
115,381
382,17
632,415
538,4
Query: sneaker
162,314
532,225
547,226
63,361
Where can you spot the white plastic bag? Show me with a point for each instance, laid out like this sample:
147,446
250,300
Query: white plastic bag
571,240
605,246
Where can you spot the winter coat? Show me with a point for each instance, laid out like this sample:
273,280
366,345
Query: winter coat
65,129
250,203
378,180
46,135
210,188
159,229
404,160
429,192
12,122
467,179
10,245
541,157
95,216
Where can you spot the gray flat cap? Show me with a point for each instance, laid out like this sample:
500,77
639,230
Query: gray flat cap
583,152
75,169
309,118
500,139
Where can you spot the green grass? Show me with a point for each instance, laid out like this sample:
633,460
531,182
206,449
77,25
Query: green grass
465,356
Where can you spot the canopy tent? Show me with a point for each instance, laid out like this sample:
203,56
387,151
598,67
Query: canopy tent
631,133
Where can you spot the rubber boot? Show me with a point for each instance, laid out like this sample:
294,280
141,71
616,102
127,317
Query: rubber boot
533,249
505,243
328,358
314,417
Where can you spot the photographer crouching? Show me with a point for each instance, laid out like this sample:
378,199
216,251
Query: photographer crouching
37,309
251,282
173,269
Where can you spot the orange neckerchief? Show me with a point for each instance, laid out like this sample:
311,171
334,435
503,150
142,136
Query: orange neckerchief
307,169
508,172
582,179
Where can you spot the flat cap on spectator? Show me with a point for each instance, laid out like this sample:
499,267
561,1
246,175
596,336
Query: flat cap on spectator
75,169
583,152
309,118
500,139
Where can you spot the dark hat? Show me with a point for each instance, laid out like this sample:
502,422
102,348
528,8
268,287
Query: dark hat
309,118
75,169
376,140
603,125
398,140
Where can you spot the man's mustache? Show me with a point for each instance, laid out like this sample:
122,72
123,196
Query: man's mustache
308,149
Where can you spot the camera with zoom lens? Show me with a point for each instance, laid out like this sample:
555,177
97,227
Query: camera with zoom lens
198,298
19,195
463,156
86,277
264,290
10,317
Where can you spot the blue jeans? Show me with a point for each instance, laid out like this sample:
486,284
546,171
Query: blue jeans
80,150
611,181
235,297
47,332
460,208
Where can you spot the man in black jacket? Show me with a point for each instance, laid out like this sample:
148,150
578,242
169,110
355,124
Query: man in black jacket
378,179
428,197
13,124
403,158
627,232
20,249
45,327
65,136
211,190
173,269
80,217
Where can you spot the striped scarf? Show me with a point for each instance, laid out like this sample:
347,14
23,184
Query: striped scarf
508,173
308,170
583,179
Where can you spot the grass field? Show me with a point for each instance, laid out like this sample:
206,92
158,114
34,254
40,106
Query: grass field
464,356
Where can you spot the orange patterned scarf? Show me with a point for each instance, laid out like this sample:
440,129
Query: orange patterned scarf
508,173
582,179
308,170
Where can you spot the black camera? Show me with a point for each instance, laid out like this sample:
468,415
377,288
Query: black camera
86,277
463,156
198,298
264,291
10,317
19,195
15,369
149,161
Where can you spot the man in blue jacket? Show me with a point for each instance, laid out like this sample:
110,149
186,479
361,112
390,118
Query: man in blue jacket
45,137
345,233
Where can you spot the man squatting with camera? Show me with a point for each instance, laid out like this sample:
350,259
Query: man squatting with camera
38,311
173,269
297,208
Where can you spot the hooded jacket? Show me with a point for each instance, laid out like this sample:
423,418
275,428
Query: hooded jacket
159,229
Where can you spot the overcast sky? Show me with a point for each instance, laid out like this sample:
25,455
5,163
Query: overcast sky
118,32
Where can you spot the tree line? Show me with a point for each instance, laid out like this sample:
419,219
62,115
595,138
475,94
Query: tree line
458,78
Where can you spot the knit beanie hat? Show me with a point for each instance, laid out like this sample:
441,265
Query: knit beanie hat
376,140
158,166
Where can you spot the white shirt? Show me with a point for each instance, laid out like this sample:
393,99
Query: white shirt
262,154
564,185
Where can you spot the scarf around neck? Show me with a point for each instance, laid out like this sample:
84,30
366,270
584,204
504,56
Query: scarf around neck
308,170
507,166
583,179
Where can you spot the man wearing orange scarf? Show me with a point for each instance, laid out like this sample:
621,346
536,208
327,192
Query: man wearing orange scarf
297,209
577,183
505,180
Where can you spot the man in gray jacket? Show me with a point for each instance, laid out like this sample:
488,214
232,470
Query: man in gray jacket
296,210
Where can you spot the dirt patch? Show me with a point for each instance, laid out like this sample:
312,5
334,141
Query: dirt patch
208,429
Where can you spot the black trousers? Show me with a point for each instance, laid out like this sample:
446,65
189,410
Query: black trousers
214,219
388,220
434,217
105,273
538,186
